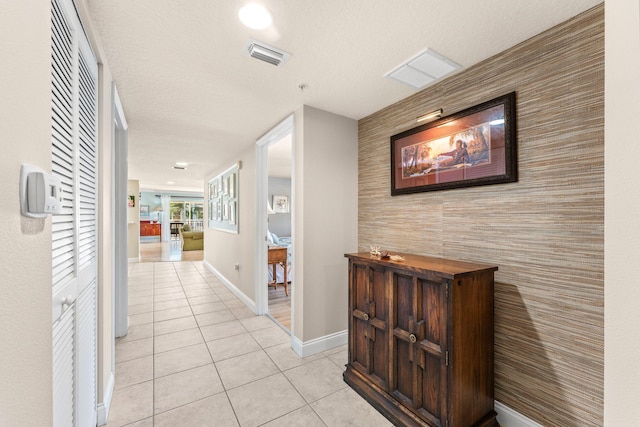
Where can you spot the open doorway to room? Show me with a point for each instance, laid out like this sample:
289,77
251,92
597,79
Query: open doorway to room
162,218
279,231
275,225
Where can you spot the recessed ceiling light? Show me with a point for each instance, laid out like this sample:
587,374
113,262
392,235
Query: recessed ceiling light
255,16
170,182
182,164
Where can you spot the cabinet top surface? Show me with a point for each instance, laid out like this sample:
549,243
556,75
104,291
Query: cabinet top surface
443,266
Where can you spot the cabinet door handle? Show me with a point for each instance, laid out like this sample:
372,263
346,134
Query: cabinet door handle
412,338
365,316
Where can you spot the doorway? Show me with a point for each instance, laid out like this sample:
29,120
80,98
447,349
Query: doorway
279,231
275,237
162,215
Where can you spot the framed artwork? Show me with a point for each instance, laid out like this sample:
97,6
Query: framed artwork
131,201
476,146
144,210
224,192
280,204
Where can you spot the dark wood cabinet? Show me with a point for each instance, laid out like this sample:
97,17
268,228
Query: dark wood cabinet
150,228
421,339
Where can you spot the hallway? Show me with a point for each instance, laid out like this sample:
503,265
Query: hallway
196,356
155,251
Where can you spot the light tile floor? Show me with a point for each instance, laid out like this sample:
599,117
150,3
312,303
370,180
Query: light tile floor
196,356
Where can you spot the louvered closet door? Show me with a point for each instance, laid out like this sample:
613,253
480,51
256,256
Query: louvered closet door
74,260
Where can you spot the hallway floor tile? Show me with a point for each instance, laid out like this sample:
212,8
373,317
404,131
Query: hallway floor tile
197,356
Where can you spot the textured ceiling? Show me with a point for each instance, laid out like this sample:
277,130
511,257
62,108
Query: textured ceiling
189,94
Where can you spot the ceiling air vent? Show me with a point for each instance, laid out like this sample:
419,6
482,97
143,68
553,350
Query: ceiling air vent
423,69
266,53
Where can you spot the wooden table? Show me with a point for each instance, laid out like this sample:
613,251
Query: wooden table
278,255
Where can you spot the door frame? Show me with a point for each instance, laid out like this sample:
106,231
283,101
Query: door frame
284,128
120,299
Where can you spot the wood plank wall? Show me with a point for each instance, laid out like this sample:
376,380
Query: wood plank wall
546,232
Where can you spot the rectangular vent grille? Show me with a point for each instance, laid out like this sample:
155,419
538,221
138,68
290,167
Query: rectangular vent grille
266,53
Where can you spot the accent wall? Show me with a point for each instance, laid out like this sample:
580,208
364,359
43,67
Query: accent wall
545,232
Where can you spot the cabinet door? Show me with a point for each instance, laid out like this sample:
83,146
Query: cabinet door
418,322
368,346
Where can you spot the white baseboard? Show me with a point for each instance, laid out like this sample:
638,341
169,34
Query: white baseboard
237,292
507,417
319,345
104,407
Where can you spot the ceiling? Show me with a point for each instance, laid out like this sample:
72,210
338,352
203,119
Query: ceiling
191,95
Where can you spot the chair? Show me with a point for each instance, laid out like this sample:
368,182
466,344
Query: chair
174,227
191,240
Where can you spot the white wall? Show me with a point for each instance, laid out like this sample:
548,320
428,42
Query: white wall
326,220
622,209
222,250
280,223
25,253
133,222
326,213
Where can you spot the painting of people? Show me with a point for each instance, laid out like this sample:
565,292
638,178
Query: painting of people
475,146
468,148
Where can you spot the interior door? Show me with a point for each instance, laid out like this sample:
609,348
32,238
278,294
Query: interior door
74,242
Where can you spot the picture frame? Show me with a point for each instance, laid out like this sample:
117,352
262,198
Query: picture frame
232,213
280,203
213,190
232,185
144,210
476,146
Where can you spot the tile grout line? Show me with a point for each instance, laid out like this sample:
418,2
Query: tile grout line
224,389
210,286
